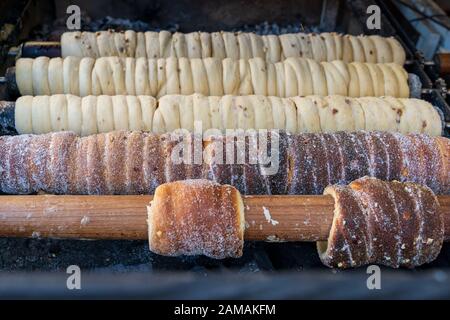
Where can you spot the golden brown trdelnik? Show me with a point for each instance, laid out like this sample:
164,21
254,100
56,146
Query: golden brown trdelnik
194,217
390,223
125,162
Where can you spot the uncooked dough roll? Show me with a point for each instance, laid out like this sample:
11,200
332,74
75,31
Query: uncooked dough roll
84,116
24,80
196,217
272,48
209,76
390,223
91,114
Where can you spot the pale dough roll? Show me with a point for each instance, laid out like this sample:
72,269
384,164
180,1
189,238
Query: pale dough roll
205,40
56,79
358,114
167,115
402,79
185,71
318,77
375,118
398,53
89,115
210,76
120,112
319,49
369,48
383,49
245,46
40,115
58,113
353,86
130,70
231,45
199,77
71,75
193,44
106,45
290,81
339,46
74,113
271,80
305,46
245,79
391,85
258,75
24,68
272,48
152,48
179,44
340,113
172,76
213,68
280,79
40,76
377,76
148,107
186,112
93,114
85,76
131,40
22,116
153,77
231,77
303,75
347,51
103,72
330,45
364,79
279,107
105,114
257,44
135,115
290,45
202,111
308,117
70,44
217,46
140,45
161,75
336,81
357,49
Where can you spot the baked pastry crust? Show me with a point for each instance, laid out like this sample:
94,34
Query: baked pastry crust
196,217
390,223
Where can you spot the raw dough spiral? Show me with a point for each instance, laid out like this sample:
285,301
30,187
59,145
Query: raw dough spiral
240,45
208,76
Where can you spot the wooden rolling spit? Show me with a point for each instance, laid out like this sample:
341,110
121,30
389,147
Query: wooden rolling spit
34,49
268,218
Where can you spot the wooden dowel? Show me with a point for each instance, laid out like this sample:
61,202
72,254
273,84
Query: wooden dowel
268,218
34,49
444,63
